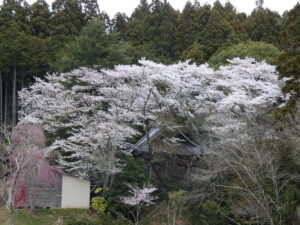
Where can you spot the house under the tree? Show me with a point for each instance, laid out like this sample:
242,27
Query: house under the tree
176,157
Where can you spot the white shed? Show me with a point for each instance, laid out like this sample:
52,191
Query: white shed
75,192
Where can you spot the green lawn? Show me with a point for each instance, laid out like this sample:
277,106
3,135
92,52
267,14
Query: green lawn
3,215
42,216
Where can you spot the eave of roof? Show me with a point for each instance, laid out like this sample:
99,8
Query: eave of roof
191,149
154,133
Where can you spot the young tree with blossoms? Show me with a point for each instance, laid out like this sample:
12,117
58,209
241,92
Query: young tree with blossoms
140,197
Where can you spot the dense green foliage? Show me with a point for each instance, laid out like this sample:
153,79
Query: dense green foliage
94,47
134,172
257,50
263,25
288,62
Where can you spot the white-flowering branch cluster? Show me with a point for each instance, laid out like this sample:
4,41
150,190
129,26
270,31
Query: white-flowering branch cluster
140,195
93,114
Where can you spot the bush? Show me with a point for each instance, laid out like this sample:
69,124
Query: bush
98,203
214,213
196,54
257,50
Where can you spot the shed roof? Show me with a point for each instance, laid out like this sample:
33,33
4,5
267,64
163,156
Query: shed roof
188,147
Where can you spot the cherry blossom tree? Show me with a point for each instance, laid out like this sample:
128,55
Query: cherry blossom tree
20,154
140,197
91,115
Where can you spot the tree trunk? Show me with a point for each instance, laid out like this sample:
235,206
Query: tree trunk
1,98
11,197
22,81
6,118
147,129
105,184
31,185
14,96
10,206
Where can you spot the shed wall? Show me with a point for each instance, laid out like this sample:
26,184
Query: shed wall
75,193
48,197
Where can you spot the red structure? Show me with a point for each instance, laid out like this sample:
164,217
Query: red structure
37,182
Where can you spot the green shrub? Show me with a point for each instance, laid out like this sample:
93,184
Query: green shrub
196,54
99,204
257,50
214,213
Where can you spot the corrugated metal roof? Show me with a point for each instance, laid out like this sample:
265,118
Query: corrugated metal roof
154,133
189,148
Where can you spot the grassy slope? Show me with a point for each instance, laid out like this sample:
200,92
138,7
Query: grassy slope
41,216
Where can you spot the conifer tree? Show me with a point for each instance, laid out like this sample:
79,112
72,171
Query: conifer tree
14,11
40,17
263,25
14,47
120,24
289,37
94,47
68,18
160,30
238,25
203,13
215,34
187,29
288,62
136,23
90,9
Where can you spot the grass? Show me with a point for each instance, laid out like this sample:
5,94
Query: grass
41,216
50,217
3,215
